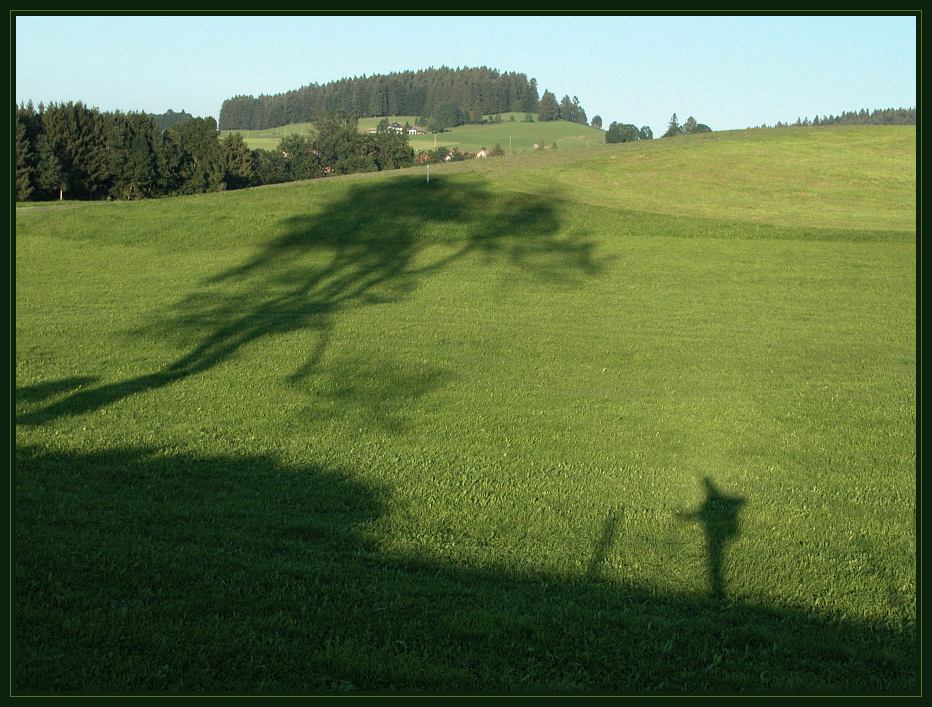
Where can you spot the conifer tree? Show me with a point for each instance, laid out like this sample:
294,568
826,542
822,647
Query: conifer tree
549,109
237,161
673,128
24,162
51,175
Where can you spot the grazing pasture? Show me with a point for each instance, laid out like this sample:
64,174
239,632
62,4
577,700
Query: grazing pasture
637,418
516,136
269,138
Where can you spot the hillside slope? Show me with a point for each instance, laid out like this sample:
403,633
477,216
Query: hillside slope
628,418
851,177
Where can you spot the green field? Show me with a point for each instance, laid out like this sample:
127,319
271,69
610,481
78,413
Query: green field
517,136
269,138
628,419
514,136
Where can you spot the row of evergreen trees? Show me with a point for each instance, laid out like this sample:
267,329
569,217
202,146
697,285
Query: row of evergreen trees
882,116
71,149
566,109
477,91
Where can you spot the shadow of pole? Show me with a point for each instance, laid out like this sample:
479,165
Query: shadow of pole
604,545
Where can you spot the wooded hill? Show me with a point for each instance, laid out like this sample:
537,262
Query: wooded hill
478,91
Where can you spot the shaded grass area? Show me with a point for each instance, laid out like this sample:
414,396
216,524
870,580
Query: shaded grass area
372,434
176,572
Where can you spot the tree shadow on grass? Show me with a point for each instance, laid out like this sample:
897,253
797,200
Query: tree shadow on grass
142,571
373,245
380,392
40,392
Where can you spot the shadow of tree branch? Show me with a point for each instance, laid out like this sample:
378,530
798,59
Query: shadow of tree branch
364,248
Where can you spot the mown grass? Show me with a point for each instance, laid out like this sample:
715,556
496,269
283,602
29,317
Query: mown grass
501,432
517,136
847,177
269,138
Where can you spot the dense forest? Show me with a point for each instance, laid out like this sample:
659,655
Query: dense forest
71,149
474,91
169,118
882,116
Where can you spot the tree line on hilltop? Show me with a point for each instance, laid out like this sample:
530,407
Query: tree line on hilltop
71,149
689,127
566,109
440,98
627,132
882,116
474,91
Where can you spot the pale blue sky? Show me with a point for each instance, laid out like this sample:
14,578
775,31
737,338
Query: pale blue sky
728,72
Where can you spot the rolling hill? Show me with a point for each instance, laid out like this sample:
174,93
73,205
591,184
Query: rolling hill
631,418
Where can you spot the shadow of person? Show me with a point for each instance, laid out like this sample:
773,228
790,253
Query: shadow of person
718,515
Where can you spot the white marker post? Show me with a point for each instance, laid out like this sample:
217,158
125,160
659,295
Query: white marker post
428,172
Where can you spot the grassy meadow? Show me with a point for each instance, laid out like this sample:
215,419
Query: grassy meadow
515,136
637,418
268,138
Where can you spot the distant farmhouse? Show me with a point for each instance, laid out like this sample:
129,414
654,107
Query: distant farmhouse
401,129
